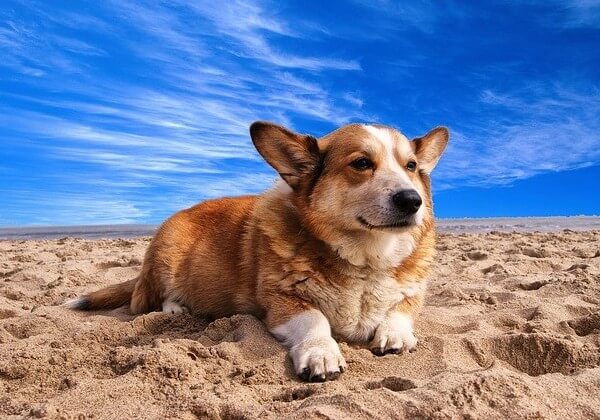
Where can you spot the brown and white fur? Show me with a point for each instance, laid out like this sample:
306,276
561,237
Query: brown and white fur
332,250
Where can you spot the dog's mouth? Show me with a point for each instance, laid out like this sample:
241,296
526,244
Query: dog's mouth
396,225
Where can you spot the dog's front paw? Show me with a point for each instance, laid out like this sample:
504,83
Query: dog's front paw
318,359
172,307
394,335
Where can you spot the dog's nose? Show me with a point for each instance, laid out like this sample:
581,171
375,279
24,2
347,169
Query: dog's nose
407,201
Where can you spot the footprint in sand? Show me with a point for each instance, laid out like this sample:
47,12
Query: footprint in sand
494,269
393,383
535,253
122,262
539,353
7,313
586,325
578,267
477,255
533,285
295,394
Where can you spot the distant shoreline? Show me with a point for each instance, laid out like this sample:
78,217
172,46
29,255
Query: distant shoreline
464,225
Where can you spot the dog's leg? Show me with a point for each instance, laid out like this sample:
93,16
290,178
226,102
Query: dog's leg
172,307
315,354
396,333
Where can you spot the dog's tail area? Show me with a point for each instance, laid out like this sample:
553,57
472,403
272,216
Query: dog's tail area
110,297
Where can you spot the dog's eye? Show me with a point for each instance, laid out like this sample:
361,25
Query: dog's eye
411,165
362,164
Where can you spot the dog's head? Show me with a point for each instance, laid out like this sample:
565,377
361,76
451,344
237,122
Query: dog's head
357,178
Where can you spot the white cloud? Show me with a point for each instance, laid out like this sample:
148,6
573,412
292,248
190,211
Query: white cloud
71,209
246,22
204,78
581,13
203,73
141,162
353,99
421,15
539,128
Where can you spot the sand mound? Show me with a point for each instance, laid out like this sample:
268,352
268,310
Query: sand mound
511,329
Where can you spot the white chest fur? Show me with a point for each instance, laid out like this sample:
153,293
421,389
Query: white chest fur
377,249
357,307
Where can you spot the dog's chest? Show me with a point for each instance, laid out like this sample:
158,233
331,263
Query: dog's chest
357,305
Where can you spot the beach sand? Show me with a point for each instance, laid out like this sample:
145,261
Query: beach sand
511,329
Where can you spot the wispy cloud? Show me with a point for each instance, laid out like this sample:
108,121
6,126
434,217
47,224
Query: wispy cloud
532,130
201,76
71,209
250,35
419,15
128,110
581,13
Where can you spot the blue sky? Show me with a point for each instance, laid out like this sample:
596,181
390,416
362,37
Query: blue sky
125,111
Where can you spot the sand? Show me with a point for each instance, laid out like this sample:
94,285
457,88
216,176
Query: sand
511,329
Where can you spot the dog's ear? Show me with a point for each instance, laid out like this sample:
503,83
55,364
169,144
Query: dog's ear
294,156
430,147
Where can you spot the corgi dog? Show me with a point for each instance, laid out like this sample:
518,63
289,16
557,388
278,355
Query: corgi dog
339,248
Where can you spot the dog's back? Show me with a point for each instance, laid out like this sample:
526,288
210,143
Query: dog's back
196,259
